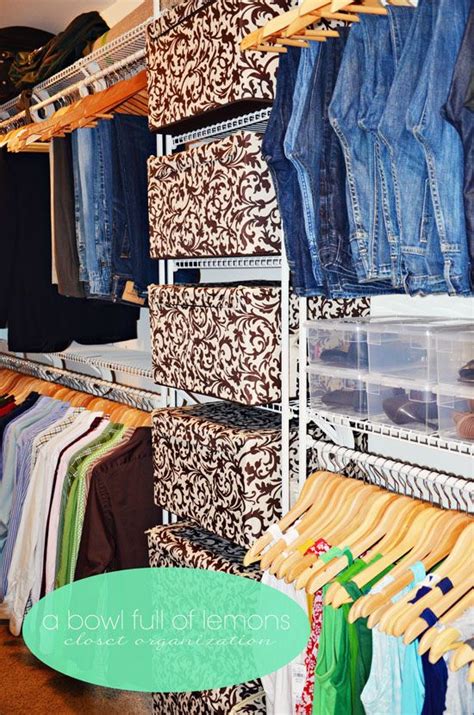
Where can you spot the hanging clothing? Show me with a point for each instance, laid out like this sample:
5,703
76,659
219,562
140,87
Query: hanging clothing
120,509
283,687
38,318
396,682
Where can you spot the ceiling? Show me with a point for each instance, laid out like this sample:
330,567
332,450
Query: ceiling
52,15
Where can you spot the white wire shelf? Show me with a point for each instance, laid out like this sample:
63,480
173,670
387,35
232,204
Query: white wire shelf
128,49
131,362
230,262
391,431
254,121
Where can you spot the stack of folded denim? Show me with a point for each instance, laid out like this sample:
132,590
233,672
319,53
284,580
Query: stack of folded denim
368,146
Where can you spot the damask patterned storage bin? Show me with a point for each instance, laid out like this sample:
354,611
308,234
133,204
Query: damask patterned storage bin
221,341
195,64
215,200
185,545
219,465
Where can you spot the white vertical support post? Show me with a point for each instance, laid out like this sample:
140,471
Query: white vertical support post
302,392
285,380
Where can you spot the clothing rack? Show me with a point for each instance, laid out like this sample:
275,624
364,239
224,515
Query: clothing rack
445,490
125,54
132,396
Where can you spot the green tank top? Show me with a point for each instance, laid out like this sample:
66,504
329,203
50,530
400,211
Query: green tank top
345,651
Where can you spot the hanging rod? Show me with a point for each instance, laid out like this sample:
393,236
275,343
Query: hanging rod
446,490
131,396
255,121
125,50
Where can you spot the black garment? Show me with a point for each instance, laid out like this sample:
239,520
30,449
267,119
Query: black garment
7,235
13,40
27,404
120,508
38,318
66,256
30,68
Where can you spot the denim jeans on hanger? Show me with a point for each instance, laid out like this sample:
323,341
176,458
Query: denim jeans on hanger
441,144
354,91
463,120
92,149
83,168
313,148
389,40
130,244
285,178
418,236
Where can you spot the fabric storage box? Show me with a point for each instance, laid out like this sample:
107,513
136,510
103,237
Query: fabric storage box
402,403
195,64
338,390
219,465
239,700
408,349
456,412
213,200
455,357
221,341
187,546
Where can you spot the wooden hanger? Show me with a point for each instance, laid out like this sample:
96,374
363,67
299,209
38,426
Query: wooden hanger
306,499
463,656
401,614
436,542
292,566
379,519
416,546
457,601
434,547
411,523
314,523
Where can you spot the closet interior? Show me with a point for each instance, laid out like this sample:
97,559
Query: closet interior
237,327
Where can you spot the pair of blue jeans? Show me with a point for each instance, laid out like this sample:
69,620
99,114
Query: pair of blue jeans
313,148
462,119
426,153
285,178
111,207
92,149
130,233
362,83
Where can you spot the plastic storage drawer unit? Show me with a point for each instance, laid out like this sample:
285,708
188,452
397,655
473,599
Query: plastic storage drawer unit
402,403
341,391
408,350
340,343
456,357
456,412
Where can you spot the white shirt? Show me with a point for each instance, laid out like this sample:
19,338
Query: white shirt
284,687
26,569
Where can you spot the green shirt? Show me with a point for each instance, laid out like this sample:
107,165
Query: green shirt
76,470
345,651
